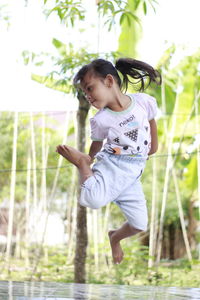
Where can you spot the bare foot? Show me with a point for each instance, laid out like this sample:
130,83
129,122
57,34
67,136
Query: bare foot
74,156
117,252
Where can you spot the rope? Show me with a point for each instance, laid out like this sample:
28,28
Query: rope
64,112
65,167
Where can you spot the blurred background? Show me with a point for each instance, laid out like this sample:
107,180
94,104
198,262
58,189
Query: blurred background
44,234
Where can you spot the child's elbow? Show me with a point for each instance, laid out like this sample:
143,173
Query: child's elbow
153,150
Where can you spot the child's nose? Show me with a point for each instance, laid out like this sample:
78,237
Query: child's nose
88,97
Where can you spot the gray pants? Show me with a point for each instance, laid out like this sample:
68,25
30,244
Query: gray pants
117,179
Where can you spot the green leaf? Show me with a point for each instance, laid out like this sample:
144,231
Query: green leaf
51,83
145,8
191,175
57,43
137,3
122,18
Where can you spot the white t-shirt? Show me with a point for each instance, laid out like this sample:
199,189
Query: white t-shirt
127,132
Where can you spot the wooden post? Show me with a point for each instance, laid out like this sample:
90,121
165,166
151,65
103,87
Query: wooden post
81,234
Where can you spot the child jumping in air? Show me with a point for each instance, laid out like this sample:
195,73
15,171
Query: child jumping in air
123,134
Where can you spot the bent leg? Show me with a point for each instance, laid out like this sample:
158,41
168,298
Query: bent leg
80,160
116,236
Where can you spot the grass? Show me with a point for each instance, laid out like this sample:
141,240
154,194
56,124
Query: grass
132,271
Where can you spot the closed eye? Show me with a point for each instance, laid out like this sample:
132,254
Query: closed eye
89,89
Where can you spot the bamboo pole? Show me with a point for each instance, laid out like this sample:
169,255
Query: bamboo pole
153,216
10,290
95,238
167,177
172,161
181,215
154,228
43,184
33,162
197,121
60,159
12,189
17,240
106,218
71,243
100,225
44,164
27,209
71,213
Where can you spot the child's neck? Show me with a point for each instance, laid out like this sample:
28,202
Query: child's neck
121,102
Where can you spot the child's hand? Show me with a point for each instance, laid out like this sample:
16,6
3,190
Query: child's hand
91,159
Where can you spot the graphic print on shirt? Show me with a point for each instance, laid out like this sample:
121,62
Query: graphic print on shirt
142,144
116,140
133,134
129,132
127,121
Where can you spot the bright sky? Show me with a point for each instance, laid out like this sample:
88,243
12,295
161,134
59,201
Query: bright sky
175,21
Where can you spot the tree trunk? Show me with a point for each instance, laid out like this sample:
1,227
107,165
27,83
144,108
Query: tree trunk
171,229
192,225
81,234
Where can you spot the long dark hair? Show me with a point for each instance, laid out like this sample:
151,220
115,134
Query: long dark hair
140,72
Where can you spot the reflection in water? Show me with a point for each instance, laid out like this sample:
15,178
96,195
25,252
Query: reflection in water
10,290
70,291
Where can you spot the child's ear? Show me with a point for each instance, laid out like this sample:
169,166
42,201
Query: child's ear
109,80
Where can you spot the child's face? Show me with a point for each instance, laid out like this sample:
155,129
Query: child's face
98,90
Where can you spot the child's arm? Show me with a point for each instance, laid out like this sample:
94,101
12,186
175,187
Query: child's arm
95,148
154,137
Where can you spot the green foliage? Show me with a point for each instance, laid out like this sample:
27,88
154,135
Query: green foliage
114,9
50,82
190,177
132,271
4,14
71,11
68,11
67,64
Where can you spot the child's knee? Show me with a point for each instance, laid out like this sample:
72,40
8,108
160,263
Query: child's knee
92,194
91,203
137,228
90,199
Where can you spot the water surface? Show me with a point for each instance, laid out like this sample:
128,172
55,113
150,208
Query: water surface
70,291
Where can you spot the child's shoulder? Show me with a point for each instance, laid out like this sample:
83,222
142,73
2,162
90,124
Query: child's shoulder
98,116
144,99
142,96
147,102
